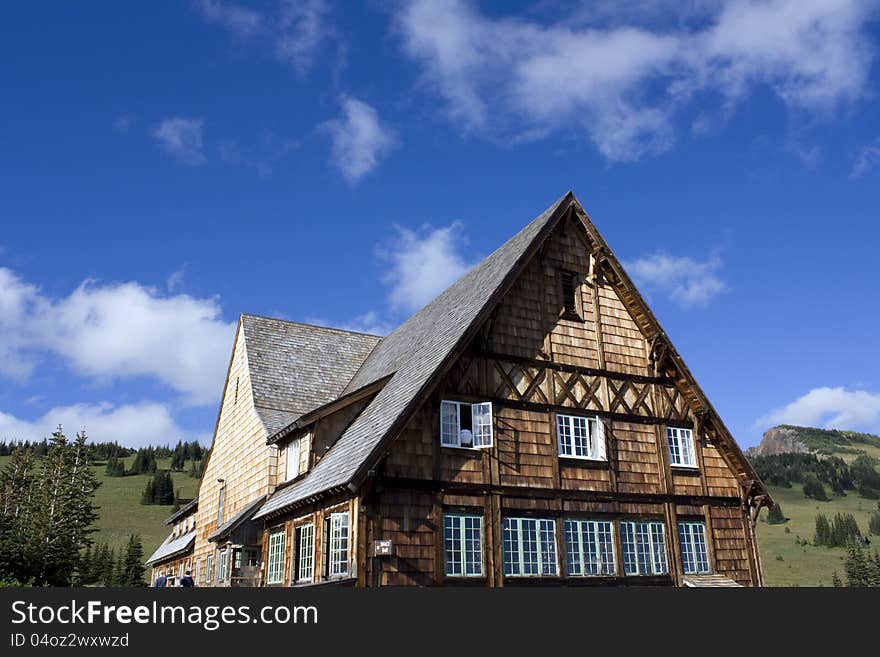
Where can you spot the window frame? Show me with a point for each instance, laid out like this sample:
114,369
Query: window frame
463,562
294,446
652,546
577,524
688,526
223,565
599,447
540,531
221,502
275,556
334,551
455,441
209,570
302,555
683,438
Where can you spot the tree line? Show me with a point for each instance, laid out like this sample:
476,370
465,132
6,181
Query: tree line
102,566
814,474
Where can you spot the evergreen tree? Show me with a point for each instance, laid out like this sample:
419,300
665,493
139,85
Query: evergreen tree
133,563
856,567
874,522
835,580
775,516
823,531
814,489
159,489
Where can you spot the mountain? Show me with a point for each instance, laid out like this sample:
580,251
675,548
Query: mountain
789,439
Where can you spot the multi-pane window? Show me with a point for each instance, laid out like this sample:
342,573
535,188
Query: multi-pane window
338,544
293,454
463,542
694,556
209,570
580,437
465,425
275,567
198,573
223,566
589,547
681,447
644,548
529,547
306,550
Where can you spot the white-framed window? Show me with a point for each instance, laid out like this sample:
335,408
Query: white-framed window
694,555
306,552
581,437
338,544
589,547
681,447
644,548
223,566
463,545
209,570
293,458
529,547
465,425
275,566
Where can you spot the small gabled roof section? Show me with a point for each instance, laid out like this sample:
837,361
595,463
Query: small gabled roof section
183,511
414,354
296,367
172,546
235,521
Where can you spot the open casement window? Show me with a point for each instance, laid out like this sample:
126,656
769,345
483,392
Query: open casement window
589,548
305,549
223,566
581,437
275,567
336,541
694,554
293,458
463,545
466,425
529,547
644,548
681,447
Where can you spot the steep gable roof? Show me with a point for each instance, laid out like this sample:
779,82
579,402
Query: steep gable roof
414,353
295,367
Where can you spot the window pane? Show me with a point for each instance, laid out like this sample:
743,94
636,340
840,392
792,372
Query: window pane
563,435
692,536
452,542
275,569
449,424
589,547
306,552
338,544
482,424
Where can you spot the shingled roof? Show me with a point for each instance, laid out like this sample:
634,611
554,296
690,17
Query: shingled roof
414,353
297,367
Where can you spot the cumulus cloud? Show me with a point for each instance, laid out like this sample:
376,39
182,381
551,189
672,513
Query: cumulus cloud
182,139
116,331
424,263
623,80
132,425
295,30
370,322
683,279
832,408
358,139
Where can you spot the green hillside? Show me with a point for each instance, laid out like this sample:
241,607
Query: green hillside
121,512
787,552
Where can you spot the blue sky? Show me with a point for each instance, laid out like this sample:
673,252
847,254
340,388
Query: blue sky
166,166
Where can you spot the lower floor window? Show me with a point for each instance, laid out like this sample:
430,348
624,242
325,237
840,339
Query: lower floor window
223,565
209,570
463,545
644,548
306,550
338,544
275,569
529,547
589,547
694,556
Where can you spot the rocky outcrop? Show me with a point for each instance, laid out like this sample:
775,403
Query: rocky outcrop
781,440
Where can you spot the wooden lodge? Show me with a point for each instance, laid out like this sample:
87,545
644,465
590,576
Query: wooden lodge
532,425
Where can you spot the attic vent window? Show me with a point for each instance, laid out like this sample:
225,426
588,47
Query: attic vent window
236,390
570,287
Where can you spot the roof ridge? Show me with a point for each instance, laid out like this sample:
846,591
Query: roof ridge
316,326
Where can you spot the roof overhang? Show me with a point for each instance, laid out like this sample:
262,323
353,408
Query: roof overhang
237,520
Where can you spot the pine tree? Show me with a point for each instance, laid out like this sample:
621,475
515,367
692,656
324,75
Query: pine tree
856,567
823,531
835,580
133,566
874,522
775,516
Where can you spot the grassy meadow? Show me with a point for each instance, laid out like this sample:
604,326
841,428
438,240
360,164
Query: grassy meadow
121,512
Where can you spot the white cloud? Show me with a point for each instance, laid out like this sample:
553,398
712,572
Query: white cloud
116,331
422,264
370,322
623,83
295,31
832,408
182,139
867,160
358,139
132,425
686,281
